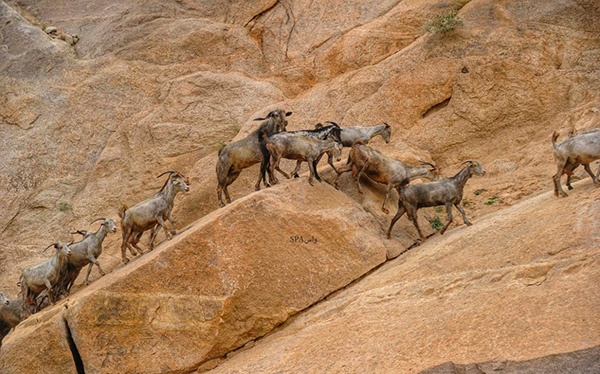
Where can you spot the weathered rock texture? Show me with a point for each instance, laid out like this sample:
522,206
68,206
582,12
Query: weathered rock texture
157,85
586,361
517,285
229,278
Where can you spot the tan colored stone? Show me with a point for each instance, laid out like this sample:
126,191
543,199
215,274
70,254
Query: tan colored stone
478,293
230,278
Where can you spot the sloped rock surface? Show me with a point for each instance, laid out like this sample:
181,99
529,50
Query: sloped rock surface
513,286
230,278
153,86
586,361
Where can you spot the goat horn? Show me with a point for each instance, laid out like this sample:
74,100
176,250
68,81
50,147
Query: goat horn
98,219
333,123
166,172
53,244
259,119
467,162
428,163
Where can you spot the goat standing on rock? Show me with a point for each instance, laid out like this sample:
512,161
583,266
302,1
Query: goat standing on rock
150,214
44,276
578,149
86,251
301,147
447,192
236,156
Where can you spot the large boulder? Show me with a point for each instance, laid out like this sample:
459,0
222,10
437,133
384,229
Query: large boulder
231,277
519,284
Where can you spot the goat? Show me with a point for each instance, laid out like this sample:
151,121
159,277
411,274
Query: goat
572,133
44,276
151,213
351,135
12,312
239,155
297,146
86,251
447,192
320,132
363,159
578,149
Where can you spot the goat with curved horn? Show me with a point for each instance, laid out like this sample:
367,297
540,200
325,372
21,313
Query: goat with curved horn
44,276
150,213
84,252
251,150
167,172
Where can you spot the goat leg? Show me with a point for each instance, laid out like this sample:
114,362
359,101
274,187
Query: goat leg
295,172
556,179
385,199
330,161
449,212
412,214
311,167
464,215
401,211
344,169
589,171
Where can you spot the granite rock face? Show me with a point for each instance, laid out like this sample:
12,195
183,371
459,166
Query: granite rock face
86,127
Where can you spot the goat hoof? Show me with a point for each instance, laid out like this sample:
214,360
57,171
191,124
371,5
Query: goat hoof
296,176
570,187
125,261
385,210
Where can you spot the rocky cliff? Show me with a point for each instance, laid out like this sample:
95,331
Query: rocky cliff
86,127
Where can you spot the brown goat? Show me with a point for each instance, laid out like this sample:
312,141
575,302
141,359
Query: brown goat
239,155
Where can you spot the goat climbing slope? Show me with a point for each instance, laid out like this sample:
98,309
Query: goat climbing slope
476,293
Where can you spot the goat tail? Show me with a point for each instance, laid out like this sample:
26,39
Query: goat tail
122,211
554,137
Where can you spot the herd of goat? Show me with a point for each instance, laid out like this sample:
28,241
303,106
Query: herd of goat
52,279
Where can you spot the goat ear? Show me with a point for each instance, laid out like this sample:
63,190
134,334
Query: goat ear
287,114
260,119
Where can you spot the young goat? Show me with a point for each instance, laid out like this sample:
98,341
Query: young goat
44,276
86,251
150,213
447,192
297,146
12,312
236,156
363,159
567,154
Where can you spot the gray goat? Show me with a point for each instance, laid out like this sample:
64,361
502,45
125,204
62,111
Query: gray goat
12,312
298,146
44,276
239,155
363,159
150,213
447,192
578,149
351,135
320,132
86,251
